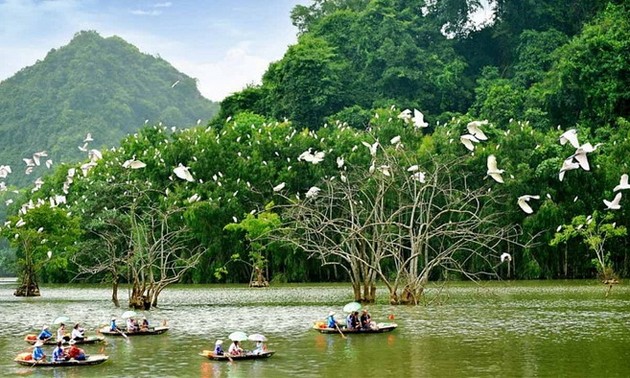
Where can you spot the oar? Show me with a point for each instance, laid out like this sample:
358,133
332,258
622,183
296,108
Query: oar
338,329
122,333
228,356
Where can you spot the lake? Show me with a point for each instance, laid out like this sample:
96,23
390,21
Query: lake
508,329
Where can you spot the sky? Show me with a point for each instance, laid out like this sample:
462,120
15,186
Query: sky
225,44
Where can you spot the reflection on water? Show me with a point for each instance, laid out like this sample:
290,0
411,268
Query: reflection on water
503,329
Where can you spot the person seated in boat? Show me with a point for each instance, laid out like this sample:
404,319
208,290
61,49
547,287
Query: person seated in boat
78,333
366,321
260,347
330,320
58,353
235,349
74,352
61,333
144,327
352,321
44,334
218,348
38,352
131,326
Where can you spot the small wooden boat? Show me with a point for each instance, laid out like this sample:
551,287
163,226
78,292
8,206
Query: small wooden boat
31,339
380,328
94,359
151,331
246,356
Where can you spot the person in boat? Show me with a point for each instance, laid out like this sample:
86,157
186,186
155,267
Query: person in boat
131,326
78,333
112,326
61,333
235,349
58,353
38,352
330,320
144,327
44,334
366,321
352,321
260,347
74,352
218,348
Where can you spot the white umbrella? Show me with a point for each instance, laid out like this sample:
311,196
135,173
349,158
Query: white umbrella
352,307
257,337
238,336
61,319
128,314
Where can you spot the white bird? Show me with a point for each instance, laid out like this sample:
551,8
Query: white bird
506,257
174,84
49,254
385,170
133,164
493,171
623,183
29,162
182,172
340,162
395,140
522,202
88,138
95,155
473,129
20,223
313,192
372,147
83,148
468,140
279,187
567,165
580,155
413,168
85,168
38,155
49,163
194,198
614,205
418,120
405,115
4,171
571,137
419,176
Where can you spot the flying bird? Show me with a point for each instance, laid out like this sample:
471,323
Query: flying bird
567,165
182,172
174,84
506,257
614,205
418,120
468,140
133,164
474,130
372,147
493,171
571,137
623,183
523,203
405,115
88,138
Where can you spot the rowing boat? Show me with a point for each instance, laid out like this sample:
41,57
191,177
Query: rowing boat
380,328
246,356
93,359
152,331
32,339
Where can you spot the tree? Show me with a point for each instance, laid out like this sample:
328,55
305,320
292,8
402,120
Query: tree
594,231
44,238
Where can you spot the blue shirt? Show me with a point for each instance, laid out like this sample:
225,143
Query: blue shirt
218,350
58,354
331,321
38,353
44,334
112,326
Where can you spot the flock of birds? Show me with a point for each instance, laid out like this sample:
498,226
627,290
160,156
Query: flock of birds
475,135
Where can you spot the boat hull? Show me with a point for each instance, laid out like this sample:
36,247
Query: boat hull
87,340
249,356
381,328
154,331
94,359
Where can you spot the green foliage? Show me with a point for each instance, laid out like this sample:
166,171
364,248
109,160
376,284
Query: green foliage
102,86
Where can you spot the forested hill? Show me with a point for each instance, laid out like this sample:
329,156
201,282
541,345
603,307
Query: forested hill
102,86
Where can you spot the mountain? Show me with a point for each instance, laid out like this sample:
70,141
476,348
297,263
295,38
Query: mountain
102,86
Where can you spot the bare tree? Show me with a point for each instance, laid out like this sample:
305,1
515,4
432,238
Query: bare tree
400,224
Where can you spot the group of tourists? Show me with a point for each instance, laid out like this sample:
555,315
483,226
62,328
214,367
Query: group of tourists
132,325
77,334
60,353
235,348
353,321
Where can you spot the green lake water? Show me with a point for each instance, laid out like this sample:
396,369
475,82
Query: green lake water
500,329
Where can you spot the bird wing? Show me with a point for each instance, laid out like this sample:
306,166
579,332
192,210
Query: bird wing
497,177
492,163
623,183
582,160
522,203
571,137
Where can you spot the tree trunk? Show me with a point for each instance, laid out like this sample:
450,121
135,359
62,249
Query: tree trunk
115,293
28,287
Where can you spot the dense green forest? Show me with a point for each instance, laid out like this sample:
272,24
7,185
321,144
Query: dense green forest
329,118
102,86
